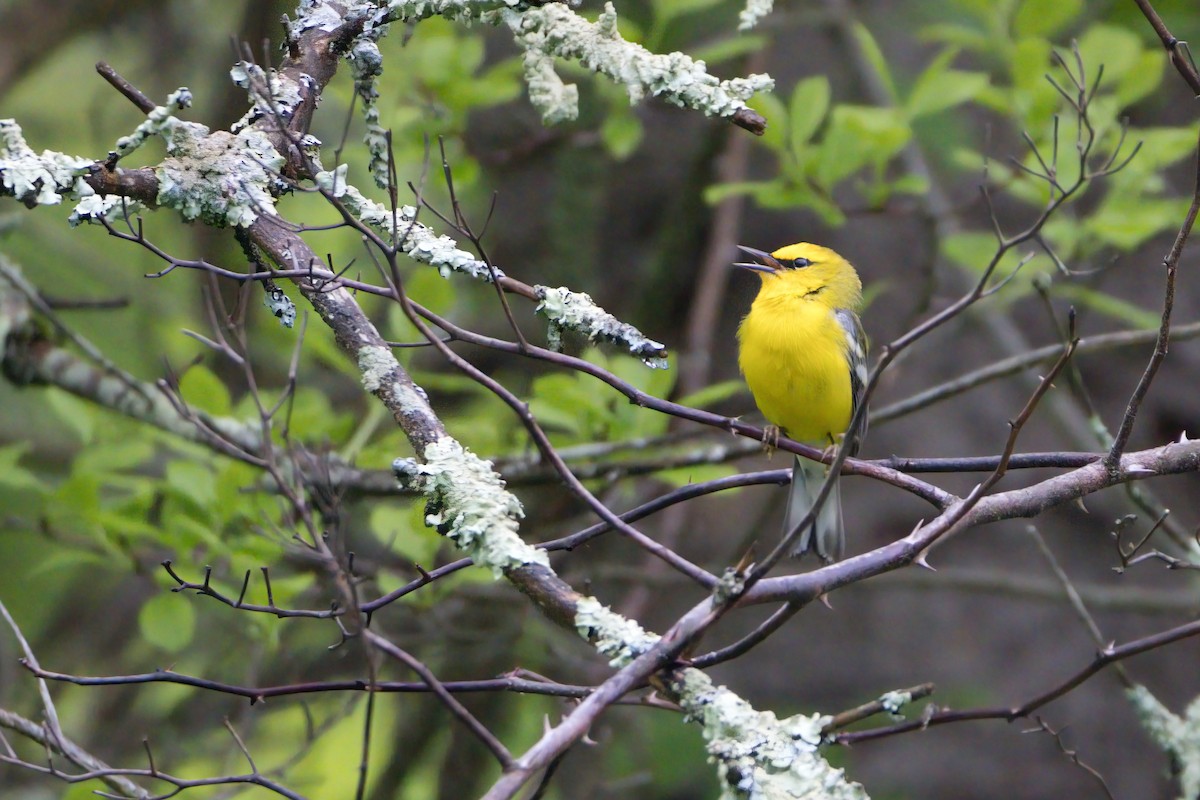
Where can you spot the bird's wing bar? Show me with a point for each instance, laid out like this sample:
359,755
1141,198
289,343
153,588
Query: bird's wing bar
856,358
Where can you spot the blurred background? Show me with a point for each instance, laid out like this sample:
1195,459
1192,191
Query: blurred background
886,120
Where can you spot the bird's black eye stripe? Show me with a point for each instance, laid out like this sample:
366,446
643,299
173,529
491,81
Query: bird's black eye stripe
797,263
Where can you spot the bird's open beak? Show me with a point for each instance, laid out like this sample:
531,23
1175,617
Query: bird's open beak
763,262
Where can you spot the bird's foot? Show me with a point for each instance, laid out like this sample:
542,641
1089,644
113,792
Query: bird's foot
770,439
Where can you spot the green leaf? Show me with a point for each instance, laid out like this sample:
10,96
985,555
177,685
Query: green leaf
910,184
719,191
119,453
79,416
204,390
668,10
193,481
963,36
808,107
185,532
1162,147
1142,79
401,529
726,49
1033,98
771,107
1118,49
431,289
939,87
971,250
1045,17
621,134
1128,222
1108,305
68,561
168,621
859,136
874,56
697,473
710,395
12,474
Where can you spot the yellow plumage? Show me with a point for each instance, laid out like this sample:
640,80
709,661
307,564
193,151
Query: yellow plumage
803,353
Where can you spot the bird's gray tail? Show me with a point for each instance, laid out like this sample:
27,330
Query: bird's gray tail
825,534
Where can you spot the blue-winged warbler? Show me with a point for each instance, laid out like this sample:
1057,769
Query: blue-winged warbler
803,352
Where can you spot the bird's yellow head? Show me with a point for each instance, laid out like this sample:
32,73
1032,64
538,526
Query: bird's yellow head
806,271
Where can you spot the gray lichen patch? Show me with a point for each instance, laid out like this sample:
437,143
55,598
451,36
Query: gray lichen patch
753,13
1178,736
376,365
280,305
417,241
469,505
576,311
555,31
220,178
37,179
272,94
758,755
894,702
620,639
94,207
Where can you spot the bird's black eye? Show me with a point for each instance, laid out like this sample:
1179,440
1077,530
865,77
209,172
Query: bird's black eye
801,262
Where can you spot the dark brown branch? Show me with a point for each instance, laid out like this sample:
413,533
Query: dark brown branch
1176,49
1106,656
1171,262
255,694
130,92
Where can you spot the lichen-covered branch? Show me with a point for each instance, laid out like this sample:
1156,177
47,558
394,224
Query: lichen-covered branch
753,13
221,178
1178,736
553,30
33,179
758,755
469,505
576,311
416,240
545,31
565,310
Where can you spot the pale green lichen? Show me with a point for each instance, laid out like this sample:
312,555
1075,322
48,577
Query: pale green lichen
1178,736
758,755
731,585
576,311
280,305
470,506
316,14
554,30
159,121
753,13
111,208
418,241
893,702
619,639
558,101
37,179
545,32
377,364
271,93
366,65
218,177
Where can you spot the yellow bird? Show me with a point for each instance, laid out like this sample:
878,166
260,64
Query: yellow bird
803,351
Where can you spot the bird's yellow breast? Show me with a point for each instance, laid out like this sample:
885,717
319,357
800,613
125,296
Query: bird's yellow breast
793,354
